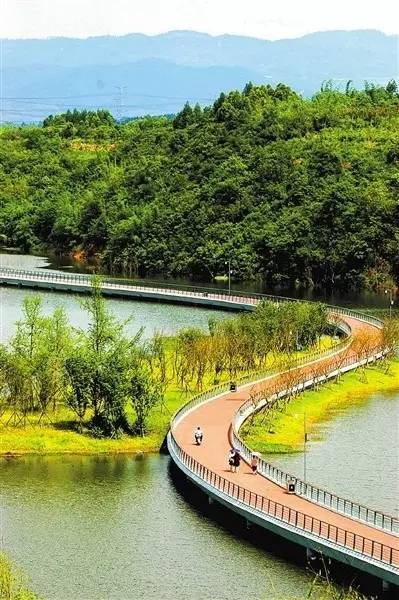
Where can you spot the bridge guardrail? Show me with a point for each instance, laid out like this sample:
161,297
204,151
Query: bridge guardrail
255,376
301,521
309,490
312,492
250,297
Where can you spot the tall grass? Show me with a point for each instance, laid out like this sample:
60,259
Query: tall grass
12,586
323,589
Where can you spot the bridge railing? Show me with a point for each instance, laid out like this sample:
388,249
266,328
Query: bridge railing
179,290
298,520
259,375
312,492
308,490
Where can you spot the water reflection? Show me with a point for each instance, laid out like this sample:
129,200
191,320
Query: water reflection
363,298
115,527
167,318
368,433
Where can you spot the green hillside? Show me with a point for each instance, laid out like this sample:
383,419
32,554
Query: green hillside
287,188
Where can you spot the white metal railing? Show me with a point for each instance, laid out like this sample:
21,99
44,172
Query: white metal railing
171,290
304,524
310,491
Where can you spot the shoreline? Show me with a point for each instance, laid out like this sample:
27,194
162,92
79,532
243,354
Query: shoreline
287,427
283,433
17,455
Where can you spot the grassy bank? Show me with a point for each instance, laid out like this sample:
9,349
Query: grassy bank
283,431
57,434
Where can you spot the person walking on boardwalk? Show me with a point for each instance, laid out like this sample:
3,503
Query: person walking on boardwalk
254,463
198,436
231,458
237,461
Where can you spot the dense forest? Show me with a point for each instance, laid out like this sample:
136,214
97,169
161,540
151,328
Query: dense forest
290,190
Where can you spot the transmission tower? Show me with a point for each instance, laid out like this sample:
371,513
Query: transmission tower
120,101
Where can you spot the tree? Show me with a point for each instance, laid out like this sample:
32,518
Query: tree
79,374
144,394
109,361
299,192
109,356
35,364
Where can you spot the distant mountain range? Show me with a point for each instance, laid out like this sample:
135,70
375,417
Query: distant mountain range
138,74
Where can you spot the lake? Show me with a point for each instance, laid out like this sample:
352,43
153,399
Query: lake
152,316
94,528
355,453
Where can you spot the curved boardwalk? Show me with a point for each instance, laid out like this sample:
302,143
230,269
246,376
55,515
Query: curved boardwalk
349,536
257,498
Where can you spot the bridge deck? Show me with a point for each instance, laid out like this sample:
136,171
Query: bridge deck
215,418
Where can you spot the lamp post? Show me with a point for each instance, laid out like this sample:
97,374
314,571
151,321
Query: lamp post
305,439
228,263
390,301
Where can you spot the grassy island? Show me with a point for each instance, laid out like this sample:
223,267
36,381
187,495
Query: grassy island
64,391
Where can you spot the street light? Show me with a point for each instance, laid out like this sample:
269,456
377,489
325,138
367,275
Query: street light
229,267
390,301
305,439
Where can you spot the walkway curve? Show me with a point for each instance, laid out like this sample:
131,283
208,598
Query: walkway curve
259,499
371,547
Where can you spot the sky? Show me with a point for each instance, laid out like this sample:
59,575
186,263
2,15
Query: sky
267,19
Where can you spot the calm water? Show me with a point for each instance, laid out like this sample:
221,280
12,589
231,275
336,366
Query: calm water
167,318
357,455
90,528
356,299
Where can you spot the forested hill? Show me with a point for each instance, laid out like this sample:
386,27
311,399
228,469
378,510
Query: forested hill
286,188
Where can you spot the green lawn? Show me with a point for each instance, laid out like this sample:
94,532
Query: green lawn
60,437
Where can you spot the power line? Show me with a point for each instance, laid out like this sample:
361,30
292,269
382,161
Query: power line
157,96
44,107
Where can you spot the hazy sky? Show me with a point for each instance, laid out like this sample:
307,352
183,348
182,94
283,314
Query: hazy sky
270,19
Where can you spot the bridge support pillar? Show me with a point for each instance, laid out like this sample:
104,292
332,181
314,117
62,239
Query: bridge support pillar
210,500
248,524
385,586
310,554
